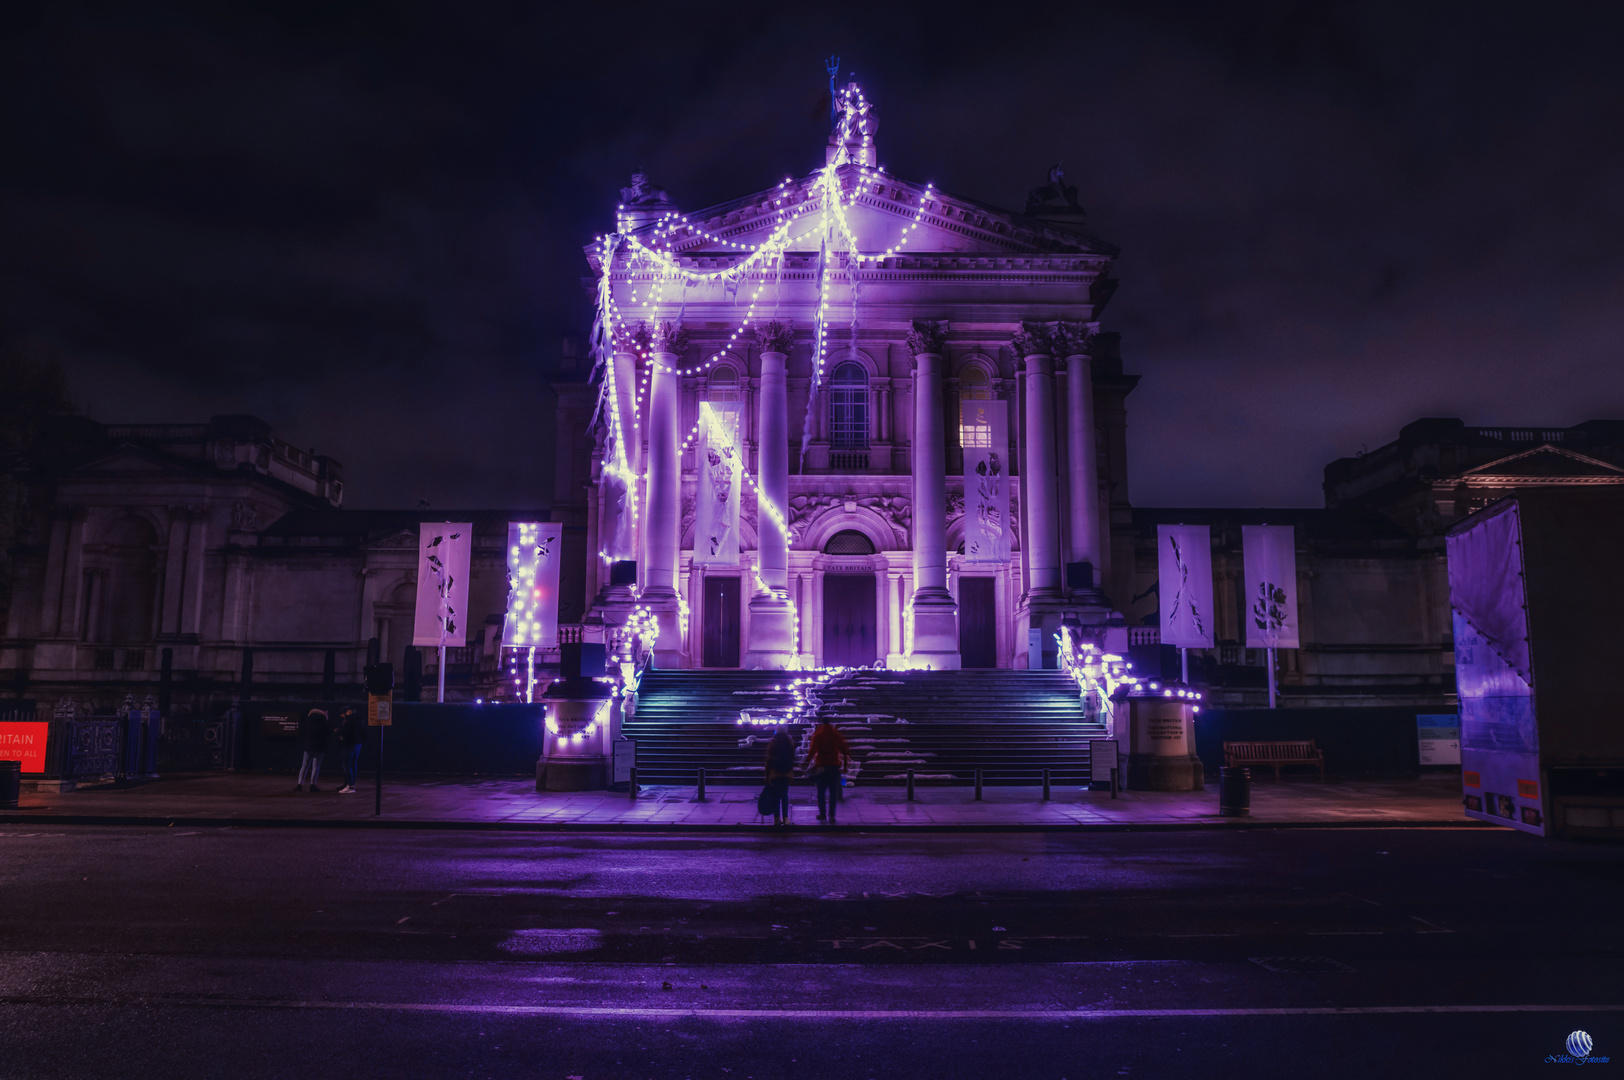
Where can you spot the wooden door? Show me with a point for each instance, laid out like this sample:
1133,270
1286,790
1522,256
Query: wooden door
850,620
978,628
720,637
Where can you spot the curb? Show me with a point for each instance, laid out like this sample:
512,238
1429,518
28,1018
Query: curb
429,824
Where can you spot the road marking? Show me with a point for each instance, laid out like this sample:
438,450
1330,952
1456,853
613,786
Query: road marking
1429,927
1345,933
678,1012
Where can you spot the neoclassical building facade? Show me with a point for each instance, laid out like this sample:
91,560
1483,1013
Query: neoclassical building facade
853,327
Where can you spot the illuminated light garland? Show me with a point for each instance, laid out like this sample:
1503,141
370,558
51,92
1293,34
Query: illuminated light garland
1098,674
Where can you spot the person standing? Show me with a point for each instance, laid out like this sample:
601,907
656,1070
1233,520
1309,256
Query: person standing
352,732
826,757
780,767
313,738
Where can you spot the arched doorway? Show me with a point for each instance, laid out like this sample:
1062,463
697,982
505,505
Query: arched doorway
850,606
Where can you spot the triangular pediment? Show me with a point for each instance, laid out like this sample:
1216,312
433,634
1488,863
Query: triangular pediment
1545,464
883,213
131,458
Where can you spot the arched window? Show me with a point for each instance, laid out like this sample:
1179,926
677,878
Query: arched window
849,542
848,407
974,386
723,384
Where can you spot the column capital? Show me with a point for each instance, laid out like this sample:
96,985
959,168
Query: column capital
668,337
630,339
775,336
1032,339
927,336
1075,338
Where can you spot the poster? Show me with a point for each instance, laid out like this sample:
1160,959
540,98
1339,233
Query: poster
984,431
716,507
1184,565
1271,586
533,562
443,550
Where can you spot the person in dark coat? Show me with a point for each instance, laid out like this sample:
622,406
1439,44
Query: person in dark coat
313,739
352,732
780,767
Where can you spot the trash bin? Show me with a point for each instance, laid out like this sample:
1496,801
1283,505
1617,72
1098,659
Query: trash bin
1234,792
11,784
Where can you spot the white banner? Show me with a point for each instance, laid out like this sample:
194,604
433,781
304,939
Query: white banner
721,473
984,433
1184,565
618,541
1271,586
533,561
443,549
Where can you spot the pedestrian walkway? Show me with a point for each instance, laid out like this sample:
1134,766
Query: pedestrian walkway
269,800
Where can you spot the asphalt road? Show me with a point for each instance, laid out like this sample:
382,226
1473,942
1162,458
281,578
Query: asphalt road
266,953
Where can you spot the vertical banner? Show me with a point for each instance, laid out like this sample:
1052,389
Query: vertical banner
1271,586
443,550
618,542
984,431
533,561
1184,565
721,472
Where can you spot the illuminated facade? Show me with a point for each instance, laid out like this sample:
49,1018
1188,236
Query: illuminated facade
862,336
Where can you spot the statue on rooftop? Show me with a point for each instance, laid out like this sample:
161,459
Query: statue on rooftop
1040,198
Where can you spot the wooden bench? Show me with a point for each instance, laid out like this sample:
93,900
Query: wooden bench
1304,752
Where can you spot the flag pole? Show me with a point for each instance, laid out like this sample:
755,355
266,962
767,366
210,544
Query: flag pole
1184,665
442,675
1271,676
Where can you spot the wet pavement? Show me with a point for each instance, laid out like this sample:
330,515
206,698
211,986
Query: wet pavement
264,952
514,803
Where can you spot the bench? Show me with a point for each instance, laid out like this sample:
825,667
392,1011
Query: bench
1303,752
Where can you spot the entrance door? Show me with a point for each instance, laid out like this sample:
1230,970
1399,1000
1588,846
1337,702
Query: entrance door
850,624
720,646
978,631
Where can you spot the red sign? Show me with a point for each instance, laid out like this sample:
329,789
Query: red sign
24,742
1471,779
1527,789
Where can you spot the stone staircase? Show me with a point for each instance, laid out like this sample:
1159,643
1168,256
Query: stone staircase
943,725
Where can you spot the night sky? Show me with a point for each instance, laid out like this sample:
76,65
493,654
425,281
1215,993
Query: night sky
363,221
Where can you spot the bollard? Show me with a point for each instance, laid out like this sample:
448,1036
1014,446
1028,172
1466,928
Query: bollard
1045,785
11,779
1113,783
978,785
700,795
631,784
910,785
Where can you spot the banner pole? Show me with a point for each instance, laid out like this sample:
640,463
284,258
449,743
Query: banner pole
1271,676
442,675
530,679
1184,665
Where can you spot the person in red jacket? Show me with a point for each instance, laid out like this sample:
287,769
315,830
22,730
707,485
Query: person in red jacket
826,756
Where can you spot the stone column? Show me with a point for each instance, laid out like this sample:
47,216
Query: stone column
772,616
662,515
935,615
1031,343
1075,341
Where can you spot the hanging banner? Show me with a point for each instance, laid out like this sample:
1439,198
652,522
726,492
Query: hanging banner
984,432
443,549
721,473
1271,586
618,541
533,561
1184,565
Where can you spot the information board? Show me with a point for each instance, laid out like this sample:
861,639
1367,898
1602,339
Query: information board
379,713
1102,758
24,741
278,727
1439,738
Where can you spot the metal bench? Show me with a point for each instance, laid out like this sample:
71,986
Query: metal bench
1302,752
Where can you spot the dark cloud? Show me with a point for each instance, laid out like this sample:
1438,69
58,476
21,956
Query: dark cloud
363,221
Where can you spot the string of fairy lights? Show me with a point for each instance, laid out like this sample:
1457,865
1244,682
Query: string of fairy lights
652,251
